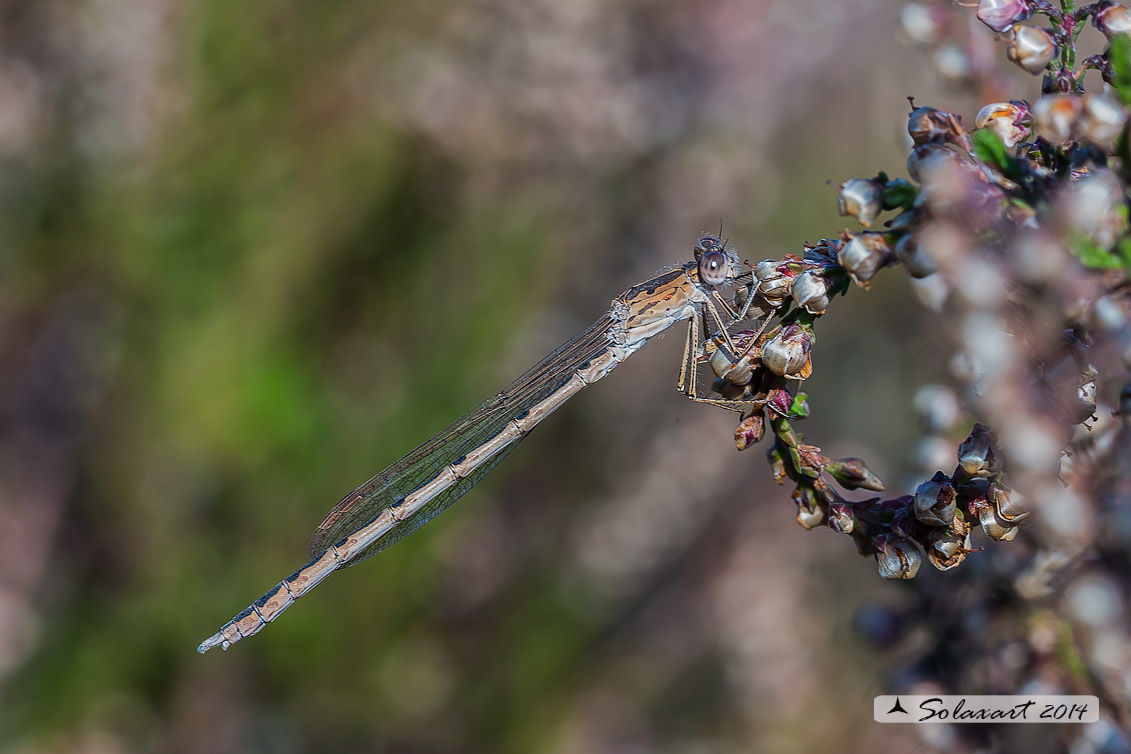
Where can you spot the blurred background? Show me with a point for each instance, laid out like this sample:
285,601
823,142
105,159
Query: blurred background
250,254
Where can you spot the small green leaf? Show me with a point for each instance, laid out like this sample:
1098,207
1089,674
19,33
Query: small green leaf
1097,257
799,409
989,148
1120,56
899,194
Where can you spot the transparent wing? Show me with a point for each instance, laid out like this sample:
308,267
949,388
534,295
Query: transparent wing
388,488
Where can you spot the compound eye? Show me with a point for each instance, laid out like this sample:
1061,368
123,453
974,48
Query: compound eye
713,267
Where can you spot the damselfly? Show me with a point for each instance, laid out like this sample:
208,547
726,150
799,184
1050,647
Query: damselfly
412,491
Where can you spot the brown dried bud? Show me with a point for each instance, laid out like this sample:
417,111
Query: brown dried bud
853,474
994,527
810,510
947,548
915,258
841,518
1009,503
750,430
897,558
787,353
935,501
773,285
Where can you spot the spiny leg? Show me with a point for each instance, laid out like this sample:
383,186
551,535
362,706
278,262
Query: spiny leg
693,349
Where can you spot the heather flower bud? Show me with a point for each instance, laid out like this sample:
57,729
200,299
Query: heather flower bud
864,255
1030,48
1093,206
917,261
777,462
897,558
1009,503
1055,116
935,501
947,548
853,474
1009,120
810,514
861,199
750,430
773,285
929,124
1113,20
1001,15
994,528
810,291
1102,118
841,518
787,353
978,455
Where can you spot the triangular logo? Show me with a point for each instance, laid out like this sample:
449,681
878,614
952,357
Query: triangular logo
898,708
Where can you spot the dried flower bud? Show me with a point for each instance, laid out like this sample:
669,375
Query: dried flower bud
947,547
787,353
1102,119
978,454
1001,15
1113,20
750,430
773,285
1011,121
994,527
928,124
862,199
935,501
1055,116
897,558
810,291
1093,207
864,255
777,462
917,261
1030,48
853,474
1009,503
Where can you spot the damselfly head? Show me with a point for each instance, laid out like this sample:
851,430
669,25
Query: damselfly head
713,263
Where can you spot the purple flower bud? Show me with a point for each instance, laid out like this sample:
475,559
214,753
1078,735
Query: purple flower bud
1055,116
864,255
1011,121
862,199
935,501
978,454
787,353
897,558
810,291
750,430
1001,15
853,474
1113,20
